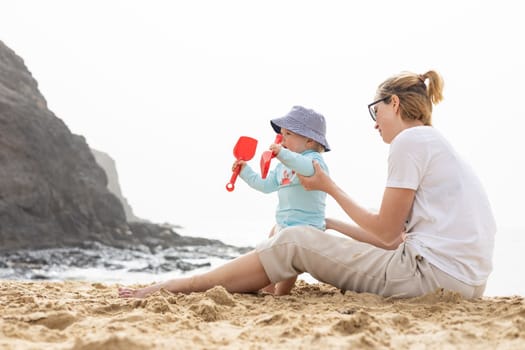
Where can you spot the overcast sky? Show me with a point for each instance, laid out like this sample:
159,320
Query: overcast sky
167,87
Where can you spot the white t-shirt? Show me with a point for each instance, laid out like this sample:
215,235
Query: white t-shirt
451,223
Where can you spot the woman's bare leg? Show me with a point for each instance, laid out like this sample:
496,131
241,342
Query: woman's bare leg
243,274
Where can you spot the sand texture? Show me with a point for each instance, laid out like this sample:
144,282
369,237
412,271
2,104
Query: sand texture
84,315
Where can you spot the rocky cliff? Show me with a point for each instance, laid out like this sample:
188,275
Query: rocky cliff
110,168
52,191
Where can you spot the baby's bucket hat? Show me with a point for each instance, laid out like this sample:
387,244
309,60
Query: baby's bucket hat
305,122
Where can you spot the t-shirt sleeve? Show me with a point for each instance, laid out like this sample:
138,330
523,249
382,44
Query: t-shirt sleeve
405,163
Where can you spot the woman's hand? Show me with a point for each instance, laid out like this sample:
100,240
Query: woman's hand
319,181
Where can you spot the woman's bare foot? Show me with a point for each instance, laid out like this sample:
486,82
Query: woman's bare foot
132,293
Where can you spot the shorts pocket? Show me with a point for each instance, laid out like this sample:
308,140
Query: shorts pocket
405,273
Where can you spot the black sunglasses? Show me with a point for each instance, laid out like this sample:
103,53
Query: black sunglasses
371,108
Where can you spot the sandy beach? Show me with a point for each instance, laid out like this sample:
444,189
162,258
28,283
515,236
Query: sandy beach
84,315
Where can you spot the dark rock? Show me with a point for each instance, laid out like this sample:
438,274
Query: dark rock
49,263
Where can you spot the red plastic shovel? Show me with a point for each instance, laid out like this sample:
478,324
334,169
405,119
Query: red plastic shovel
244,150
267,156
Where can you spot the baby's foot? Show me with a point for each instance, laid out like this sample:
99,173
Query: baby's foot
269,289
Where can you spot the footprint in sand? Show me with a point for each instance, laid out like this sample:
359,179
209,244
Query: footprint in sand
55,320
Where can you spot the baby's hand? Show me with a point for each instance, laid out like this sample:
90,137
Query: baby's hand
239,162
275,148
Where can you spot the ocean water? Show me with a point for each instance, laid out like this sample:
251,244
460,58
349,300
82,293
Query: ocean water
98,263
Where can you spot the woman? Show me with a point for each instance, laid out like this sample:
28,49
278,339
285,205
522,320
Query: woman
434,229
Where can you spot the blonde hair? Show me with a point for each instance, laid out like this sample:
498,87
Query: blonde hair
415,97
318,147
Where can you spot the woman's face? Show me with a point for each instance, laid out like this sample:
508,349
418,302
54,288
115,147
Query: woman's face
387,120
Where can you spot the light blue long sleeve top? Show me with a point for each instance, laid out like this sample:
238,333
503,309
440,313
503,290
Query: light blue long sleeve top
296,205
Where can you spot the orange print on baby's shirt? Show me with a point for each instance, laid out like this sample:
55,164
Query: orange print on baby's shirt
287,178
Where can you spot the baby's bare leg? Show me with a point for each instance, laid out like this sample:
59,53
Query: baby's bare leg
243,274
271,287
285,287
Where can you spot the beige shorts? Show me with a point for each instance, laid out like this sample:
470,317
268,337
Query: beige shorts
352,265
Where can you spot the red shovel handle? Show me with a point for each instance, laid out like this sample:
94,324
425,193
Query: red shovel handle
267,156
278,138
230,186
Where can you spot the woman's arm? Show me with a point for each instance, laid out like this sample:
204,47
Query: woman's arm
357,233
387,226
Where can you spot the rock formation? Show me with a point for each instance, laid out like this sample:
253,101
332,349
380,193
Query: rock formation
52,191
